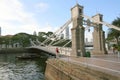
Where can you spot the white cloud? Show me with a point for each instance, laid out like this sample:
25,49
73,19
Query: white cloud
11,10
14,19
42,7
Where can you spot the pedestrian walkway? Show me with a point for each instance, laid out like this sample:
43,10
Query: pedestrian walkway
110,56
108,64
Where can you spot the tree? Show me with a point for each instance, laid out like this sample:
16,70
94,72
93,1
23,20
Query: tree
5,39
41,34
49,33
22,39
113,33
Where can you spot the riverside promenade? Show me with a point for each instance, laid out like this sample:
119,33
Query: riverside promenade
109,64
100,67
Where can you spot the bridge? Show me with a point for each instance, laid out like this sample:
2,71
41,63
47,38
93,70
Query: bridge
80,23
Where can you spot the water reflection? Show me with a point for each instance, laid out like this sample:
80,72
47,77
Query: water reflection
14,69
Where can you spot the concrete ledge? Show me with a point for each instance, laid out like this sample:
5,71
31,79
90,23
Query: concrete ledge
60,70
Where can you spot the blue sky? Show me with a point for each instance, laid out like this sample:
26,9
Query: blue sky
48,15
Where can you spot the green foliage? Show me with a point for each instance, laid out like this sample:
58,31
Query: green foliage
113,33
118,47
49,33
5,40
44,34
22,39
41,34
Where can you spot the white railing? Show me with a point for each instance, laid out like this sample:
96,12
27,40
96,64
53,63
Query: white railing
62,50
52,49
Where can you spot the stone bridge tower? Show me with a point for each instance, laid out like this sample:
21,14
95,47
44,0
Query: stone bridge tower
98,37
78,46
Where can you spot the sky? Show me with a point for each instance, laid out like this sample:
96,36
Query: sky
48,15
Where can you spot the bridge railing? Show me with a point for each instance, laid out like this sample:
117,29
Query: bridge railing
52,49
62,50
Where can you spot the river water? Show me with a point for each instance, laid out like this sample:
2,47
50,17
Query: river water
15,69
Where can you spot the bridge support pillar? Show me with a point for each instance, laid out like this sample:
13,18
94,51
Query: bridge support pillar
78,47
98,37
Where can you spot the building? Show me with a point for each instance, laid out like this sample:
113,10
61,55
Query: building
67,33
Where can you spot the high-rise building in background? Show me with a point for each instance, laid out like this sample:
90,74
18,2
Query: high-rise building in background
34,33
86,40
67,33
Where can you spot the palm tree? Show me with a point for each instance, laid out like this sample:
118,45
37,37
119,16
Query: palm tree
113,33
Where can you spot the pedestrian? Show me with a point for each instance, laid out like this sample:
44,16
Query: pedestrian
57,53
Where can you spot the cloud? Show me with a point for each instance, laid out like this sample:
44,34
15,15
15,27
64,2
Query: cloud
42,7
11,10
14,19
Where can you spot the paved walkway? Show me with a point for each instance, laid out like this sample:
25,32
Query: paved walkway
109,64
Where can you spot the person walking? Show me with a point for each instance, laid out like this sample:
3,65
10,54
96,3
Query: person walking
57,52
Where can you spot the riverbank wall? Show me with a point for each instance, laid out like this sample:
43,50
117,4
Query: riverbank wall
13,50
60,70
